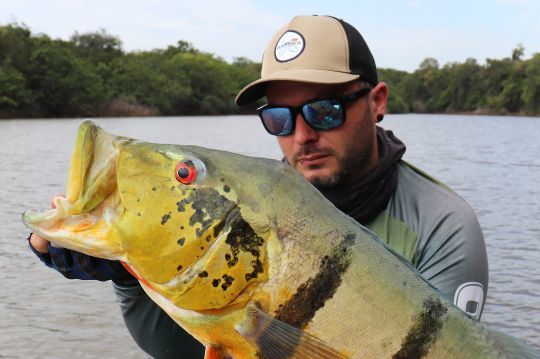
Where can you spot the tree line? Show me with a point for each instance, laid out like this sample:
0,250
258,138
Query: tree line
501,86
90,75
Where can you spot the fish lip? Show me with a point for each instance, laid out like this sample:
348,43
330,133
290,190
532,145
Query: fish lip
92,168
81,168
79,163
38,220
33,217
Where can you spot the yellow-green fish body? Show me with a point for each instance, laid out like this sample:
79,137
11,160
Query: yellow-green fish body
252,260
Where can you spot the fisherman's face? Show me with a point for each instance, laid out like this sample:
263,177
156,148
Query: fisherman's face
328,158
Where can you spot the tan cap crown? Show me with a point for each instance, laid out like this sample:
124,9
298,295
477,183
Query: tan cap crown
313,49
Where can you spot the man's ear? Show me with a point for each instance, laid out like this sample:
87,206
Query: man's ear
378,98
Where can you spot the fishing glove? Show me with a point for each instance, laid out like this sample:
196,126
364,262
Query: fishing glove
76,265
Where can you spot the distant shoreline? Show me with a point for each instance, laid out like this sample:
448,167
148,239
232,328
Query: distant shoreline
471,114
90,75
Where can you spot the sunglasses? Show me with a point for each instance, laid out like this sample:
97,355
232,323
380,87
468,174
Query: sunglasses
321,115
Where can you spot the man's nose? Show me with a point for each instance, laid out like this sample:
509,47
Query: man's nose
303,133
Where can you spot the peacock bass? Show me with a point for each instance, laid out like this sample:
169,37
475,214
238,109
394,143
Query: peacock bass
252,260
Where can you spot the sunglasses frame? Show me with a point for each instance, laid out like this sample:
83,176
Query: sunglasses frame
294,110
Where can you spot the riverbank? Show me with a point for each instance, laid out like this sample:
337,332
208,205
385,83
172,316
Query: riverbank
92,76
120,109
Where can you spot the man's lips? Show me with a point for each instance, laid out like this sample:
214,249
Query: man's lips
313,159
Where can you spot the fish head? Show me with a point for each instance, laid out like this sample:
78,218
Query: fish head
82,219
186,221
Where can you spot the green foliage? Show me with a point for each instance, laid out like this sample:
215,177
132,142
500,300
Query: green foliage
531,87
394,79
14,92
90,75
148,80
507,86
208,79
15,45
518,53
64,84
98,46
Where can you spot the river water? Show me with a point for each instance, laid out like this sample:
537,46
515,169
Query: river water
492,162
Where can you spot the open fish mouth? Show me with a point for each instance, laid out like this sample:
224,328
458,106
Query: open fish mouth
83,218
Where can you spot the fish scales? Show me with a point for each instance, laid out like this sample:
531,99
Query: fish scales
251,259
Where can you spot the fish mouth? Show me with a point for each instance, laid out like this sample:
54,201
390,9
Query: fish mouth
82,219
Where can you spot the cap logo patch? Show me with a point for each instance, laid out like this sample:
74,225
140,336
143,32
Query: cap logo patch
289,46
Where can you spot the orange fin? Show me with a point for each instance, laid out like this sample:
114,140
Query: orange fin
212,353
277,339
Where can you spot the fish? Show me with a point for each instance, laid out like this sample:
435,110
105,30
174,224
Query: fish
250,259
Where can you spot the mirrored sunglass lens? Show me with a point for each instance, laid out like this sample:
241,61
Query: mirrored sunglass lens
324,115
277,121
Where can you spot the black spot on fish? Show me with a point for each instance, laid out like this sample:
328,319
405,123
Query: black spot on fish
215,282
227,281
222,179
202,248
257,268
242,238
218,228
182,227
138,199
182,205
211,210
311,295
181,241
139,214
227,189
165,218
179,268
424,331
203,274
154,189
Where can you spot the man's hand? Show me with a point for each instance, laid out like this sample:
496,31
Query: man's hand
40,244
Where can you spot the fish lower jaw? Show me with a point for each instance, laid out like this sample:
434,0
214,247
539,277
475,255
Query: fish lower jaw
89,233
93,245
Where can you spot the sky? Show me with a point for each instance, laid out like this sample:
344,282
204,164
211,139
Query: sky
400,33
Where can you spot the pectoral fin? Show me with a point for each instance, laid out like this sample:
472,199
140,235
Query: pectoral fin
212,353
278,340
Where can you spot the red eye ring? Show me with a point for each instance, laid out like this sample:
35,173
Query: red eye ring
185,172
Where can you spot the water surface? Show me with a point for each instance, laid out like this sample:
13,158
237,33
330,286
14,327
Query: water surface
492,162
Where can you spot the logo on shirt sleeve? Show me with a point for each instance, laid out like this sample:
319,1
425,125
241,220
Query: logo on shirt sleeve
469,297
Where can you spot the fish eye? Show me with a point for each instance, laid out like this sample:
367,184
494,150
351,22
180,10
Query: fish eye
185,172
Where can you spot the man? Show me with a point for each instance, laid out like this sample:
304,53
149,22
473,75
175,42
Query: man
324,103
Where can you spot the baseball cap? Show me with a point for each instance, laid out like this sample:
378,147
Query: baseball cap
313,49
